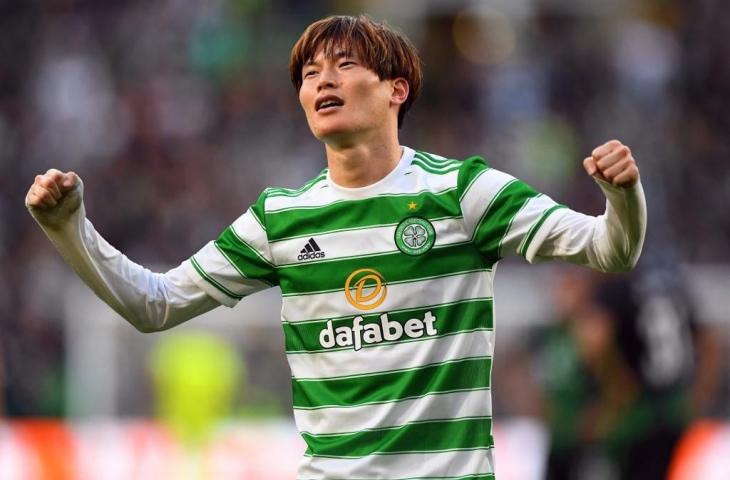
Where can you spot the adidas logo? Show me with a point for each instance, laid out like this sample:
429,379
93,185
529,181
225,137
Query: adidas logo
310,251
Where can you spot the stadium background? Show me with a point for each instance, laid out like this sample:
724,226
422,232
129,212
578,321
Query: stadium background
178,113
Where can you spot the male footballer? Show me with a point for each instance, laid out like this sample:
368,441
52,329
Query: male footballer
385,261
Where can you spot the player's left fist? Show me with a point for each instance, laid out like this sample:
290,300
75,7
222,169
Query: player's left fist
614,163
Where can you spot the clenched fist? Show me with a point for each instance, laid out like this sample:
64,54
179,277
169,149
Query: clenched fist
48,189
614,163
54,196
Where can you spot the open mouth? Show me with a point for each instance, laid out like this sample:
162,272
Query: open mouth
328,103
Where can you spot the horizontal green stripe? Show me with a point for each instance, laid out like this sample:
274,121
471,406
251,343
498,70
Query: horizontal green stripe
494,225
369,227
317,277
466,374
406,399
450,319
374,211
341,457
426,436
245,258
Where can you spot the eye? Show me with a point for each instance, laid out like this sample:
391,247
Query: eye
346,63
309,73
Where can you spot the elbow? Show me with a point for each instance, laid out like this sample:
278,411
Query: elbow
622,264
630,264
617,255
620,268
143,324
631,256
149,316
145,328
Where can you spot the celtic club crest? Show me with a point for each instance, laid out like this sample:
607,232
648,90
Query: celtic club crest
415,236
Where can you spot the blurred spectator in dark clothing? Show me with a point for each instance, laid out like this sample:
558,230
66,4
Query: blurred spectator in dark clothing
619,373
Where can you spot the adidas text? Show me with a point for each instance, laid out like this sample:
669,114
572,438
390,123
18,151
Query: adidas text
310,251
310,255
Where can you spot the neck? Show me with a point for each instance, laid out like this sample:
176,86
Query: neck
362,164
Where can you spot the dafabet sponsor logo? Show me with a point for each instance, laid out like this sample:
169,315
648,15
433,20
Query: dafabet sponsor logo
366,289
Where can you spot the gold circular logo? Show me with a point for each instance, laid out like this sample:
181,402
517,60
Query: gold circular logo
362,281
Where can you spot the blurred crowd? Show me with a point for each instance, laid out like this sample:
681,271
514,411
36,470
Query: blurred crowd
618,376
177,113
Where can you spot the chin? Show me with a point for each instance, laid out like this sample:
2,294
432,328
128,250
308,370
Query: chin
334,133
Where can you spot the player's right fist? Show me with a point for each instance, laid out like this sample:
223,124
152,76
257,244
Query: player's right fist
54,197
49,189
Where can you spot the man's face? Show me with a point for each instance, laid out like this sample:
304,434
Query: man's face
344,101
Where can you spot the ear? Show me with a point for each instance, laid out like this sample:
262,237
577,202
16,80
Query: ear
400,91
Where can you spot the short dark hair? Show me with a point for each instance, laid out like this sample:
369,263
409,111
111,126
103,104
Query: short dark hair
383,50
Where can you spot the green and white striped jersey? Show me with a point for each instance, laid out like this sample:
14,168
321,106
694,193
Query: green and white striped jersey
387,309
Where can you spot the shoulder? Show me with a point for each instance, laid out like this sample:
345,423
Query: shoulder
273,192
478,178
277,198
464,172
439,169
435,164
440,165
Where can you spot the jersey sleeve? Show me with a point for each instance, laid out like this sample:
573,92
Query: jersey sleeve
239,262
611,242
504,215
150,301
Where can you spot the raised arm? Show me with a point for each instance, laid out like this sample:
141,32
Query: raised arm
611,242
149,301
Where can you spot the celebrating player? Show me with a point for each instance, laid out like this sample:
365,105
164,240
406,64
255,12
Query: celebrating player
385,262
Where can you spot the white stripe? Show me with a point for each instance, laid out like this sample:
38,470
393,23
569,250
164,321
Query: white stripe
540,238
393,355
434,406
316,182
248,229
318,195
414,182
436,166
361,242
398,297
531,212
409,465
438,157
481,194
432,182
219,268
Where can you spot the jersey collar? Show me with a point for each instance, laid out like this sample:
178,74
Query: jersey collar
381,186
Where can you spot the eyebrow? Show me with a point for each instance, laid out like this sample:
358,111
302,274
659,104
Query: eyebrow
338,54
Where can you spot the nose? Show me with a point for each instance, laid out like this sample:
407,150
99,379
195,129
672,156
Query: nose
327,79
